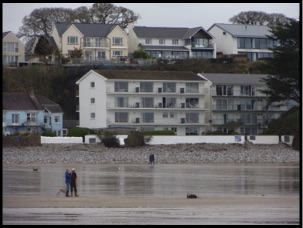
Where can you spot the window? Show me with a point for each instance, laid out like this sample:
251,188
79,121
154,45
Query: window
57,119
122,102
10,47
223,90
117,40
92,100
169,115
148,117
31,117
247,90
147,102
192,117
117,53
161,41
148,41
224,104
3,117
169,87
192,102
146,86
15,118
175,41
169,102
249,118
45,119
192,87
92,85
121,86
121,117
72,40
92,115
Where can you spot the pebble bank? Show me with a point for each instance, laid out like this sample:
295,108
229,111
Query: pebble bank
164,154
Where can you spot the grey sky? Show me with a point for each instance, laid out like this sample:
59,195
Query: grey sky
159,14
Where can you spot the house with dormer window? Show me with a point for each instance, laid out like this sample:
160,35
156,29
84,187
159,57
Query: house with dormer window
172,43
254,41
98,41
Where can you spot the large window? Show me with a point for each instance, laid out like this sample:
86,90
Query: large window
117,53
15,118
249,118
147,102
146,86
72,40
169,87
57,119
10,47
192,102
148,41
121,86
31,117
175,41
247,90
222,104
192,117
224,90
256,43
117,40
161,41
121,117
148,117
122,102
192,87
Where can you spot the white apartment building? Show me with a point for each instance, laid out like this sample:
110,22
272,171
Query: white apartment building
145,100
237,97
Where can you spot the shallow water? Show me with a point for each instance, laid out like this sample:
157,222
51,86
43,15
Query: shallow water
157,180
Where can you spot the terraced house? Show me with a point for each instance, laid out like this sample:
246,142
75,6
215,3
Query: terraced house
146,100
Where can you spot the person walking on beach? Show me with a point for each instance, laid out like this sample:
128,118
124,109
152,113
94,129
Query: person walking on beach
152,159
68,177
73,183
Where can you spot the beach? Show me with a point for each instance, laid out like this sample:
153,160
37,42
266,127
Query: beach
120,192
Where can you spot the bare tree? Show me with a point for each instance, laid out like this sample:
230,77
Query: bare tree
258,18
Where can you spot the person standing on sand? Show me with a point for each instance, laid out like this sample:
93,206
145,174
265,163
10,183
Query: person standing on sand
73,183
68,177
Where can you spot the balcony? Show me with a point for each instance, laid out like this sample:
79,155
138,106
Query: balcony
102,44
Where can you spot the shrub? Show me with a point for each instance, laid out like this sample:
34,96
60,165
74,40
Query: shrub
109,139
136,139
49,134
79,132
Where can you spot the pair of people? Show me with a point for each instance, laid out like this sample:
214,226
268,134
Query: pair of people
71,182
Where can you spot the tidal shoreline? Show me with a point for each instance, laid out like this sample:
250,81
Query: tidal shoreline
164,154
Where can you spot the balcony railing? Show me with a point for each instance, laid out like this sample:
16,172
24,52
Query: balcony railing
102,44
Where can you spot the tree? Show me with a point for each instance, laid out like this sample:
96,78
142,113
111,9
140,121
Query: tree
43,48
40,21
283,82
258,18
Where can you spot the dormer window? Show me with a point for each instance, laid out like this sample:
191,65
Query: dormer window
161,41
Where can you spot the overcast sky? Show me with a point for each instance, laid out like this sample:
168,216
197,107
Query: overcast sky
159,14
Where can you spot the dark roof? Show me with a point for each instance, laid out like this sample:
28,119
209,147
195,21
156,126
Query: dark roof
4,34
166,32
149,75
70,123
20,101
51,41
237,30
49,105
242,79
87,29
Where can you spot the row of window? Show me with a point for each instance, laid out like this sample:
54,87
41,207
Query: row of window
256,43
148,117
98,41
228,90
195,42
31,118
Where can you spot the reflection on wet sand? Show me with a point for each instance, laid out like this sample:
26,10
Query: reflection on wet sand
157,180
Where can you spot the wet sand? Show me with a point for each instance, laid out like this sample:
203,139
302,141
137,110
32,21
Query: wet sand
220,208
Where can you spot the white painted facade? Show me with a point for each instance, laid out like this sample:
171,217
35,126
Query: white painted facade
102,112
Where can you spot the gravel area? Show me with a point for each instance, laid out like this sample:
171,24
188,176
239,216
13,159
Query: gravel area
164,154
